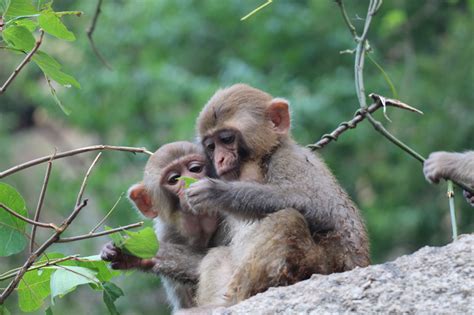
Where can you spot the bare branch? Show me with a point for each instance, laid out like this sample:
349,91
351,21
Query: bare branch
107,215
31,259
86,177
102,147
360,115
23,63
13,272
41,201
452,210
90,31
93,235
19,216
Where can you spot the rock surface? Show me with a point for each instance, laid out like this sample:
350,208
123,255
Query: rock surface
433,280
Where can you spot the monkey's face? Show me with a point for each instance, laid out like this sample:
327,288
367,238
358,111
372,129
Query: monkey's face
227,150
193,166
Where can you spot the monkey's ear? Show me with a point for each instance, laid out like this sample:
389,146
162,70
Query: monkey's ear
142,200
279,115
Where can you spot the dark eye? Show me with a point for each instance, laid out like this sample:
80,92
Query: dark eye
195,168
227,137
210,146
173,178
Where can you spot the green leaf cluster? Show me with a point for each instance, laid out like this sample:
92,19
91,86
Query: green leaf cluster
58,279
12,229
142,244
21,21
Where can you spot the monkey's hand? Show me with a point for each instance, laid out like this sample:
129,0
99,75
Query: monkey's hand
123,261
439,165
203,196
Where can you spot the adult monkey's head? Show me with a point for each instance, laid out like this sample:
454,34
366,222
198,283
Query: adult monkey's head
241,124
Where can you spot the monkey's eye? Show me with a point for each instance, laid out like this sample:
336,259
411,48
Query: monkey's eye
227,137
173,178
195,168
209,145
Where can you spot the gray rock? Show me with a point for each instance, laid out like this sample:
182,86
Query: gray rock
433,280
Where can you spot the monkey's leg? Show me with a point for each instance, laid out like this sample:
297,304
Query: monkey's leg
283,253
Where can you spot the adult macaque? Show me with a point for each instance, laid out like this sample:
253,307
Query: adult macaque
458,167
262,171
184,237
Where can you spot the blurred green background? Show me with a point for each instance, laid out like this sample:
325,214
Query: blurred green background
168,58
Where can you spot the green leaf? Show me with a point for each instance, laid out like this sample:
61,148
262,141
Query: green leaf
66,279
95,263
19,8
52,24
3,310
117,238
111,294
12,238
33,289
31,25
65,110
49,311
52,69
143,243
187,180
19,37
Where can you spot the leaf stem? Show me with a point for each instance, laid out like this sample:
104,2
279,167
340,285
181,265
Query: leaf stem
452,210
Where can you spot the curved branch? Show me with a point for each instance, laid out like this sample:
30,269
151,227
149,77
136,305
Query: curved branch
43,159
32,222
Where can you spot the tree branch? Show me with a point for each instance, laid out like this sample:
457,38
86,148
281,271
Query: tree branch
93,235
86,177
90,31
32,222
23,63
31,163
360,115
31,259
40,201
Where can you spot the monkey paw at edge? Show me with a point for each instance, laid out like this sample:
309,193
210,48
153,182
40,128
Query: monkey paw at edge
203,196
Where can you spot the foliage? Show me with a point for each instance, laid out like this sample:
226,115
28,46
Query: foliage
143,243
170,56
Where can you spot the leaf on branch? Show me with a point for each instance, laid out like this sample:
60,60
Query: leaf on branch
95,263
31,25
66,279
19,37
143,243
111,294
3,310
53,25
19,8
12,238
52,69
33,289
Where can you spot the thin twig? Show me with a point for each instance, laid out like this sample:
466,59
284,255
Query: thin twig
452,210
256,10
31,259
11,273
86,177
23,63
41,201
107,215
360,115
90,31
93,235
19,216
43,159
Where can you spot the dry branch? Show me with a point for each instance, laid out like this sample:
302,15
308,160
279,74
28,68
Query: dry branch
93,235
90,31
360,115
32,222
43,159
23,63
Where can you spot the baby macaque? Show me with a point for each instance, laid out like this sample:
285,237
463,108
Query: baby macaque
458,167
184,237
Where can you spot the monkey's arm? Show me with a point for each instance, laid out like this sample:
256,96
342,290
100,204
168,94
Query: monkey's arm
176,261
244,199
455,166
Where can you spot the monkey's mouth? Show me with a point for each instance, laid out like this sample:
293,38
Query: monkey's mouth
229,173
